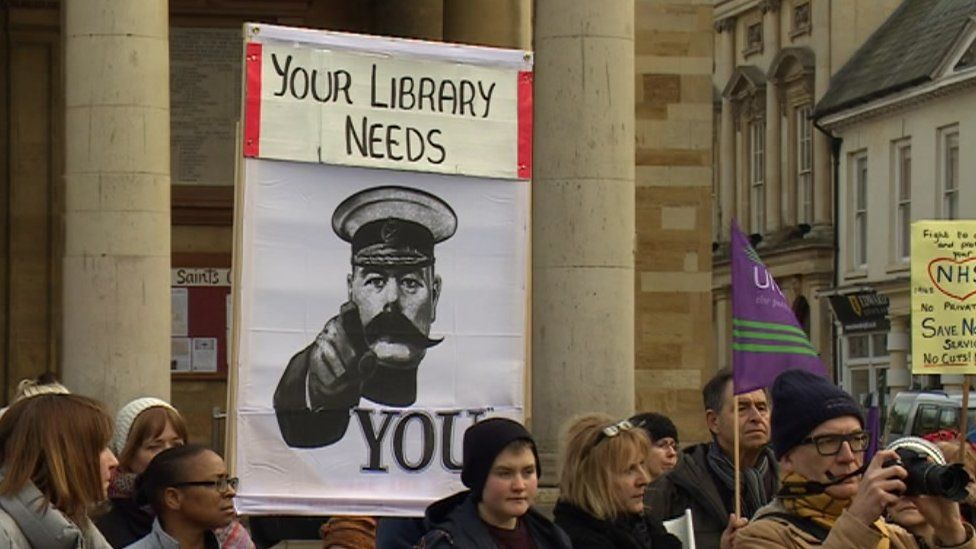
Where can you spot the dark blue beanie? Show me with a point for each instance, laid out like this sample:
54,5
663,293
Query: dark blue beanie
483,441
802,401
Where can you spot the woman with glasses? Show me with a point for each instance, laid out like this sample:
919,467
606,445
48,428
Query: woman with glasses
664,442
604,474
55,467
143,428
828,496
191,495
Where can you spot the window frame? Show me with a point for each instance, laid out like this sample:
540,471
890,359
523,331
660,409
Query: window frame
948,175
757,175
803,174
858,215
901,193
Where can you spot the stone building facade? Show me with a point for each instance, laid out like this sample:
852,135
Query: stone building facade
773,173
96,210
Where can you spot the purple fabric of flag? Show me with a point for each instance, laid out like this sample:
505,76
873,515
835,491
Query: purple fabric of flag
874,427
766,337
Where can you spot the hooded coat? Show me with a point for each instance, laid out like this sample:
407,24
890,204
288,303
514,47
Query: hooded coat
454,522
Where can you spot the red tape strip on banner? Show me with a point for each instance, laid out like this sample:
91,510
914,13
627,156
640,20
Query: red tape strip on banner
525,125
252,101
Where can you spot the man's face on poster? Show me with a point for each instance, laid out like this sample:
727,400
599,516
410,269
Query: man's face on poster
397,306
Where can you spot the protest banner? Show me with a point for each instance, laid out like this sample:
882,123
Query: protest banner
943,304
381,266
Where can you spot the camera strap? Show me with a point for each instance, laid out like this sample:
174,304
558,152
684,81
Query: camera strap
810,487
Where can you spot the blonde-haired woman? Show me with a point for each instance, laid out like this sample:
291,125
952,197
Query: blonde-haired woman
56,466
601,501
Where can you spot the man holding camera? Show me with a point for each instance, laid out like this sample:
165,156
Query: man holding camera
828,497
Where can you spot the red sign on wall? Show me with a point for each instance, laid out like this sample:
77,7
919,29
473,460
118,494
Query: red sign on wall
201,320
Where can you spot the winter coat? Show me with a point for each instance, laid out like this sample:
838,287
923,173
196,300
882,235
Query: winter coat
28,520
454,522
690,485
125,522
159,539
847,533
589,532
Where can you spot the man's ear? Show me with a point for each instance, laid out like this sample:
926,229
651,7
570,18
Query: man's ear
349,287
172,499
435,291
711,421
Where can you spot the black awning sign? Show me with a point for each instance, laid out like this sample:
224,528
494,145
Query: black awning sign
861,311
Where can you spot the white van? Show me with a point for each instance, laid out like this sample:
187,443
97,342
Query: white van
918,413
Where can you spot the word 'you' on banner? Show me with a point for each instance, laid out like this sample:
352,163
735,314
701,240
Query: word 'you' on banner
944,297
766,337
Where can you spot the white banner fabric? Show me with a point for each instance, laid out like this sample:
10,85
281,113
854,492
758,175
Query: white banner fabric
297,275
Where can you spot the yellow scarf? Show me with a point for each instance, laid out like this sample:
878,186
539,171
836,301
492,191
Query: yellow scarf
824,509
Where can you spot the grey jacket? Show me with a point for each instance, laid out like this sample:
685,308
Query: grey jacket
159,539
27,520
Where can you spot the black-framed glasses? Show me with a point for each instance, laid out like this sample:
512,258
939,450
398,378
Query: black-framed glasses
830,445
221,485
611,431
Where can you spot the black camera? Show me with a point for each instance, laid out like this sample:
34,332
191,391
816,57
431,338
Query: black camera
931,479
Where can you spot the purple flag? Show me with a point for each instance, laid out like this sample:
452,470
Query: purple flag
766,338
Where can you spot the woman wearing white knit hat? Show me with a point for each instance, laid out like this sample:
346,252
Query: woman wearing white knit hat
143,428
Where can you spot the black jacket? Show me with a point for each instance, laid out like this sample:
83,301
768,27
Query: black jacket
634,532
690,485
125,523
454,522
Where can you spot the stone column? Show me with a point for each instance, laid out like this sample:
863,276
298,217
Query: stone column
498,23
117,222
899,378
725,65
773,122
583,206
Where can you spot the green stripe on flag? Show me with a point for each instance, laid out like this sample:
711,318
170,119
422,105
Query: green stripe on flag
771,337
783,349
768,326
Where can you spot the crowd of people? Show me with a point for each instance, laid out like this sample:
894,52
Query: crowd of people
72,477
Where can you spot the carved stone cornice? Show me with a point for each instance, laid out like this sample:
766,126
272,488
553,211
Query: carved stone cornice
769,5
726,24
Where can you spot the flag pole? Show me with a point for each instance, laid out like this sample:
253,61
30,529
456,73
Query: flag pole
735,453
964,427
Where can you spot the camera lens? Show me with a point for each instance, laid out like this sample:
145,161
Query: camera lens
929,479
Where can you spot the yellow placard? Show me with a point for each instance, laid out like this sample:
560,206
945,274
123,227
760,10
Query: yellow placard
944,297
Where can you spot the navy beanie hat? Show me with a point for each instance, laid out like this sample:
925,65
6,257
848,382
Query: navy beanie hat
803,400
483,441
658,426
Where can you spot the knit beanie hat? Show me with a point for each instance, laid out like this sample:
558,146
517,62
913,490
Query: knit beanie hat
350,532
483,441
658,426
802,401
127,415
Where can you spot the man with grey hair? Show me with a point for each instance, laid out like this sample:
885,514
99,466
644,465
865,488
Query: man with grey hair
703,480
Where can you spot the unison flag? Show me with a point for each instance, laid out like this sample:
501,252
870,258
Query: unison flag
766,338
